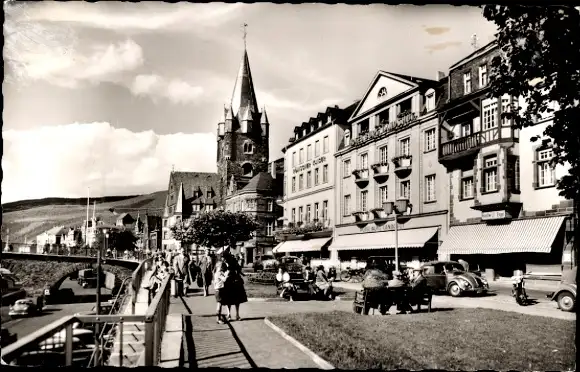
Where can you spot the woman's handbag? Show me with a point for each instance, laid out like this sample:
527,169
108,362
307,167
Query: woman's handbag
199,280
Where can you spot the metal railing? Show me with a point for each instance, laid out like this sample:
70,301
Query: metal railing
137,279
60,344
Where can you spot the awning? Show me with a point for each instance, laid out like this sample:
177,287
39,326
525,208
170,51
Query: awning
410,238
309,245
519,236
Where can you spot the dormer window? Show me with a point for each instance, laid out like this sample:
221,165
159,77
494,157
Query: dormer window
382,93
430,100
248,148
329,119
347,138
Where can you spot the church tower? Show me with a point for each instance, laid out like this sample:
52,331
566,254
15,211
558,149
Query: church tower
243,135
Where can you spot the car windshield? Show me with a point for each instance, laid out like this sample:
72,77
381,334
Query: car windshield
23,302
452,266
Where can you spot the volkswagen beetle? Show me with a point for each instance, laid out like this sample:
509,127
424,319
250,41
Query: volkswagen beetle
451,277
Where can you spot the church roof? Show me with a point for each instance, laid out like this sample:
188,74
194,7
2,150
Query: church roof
192,181
261,182
264,119
244,95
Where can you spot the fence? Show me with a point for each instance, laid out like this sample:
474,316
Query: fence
137,280
66,342
64,250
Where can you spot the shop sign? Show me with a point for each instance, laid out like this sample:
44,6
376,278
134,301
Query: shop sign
309,164
384,227
495,215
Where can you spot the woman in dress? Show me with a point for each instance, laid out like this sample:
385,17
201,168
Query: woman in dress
234,286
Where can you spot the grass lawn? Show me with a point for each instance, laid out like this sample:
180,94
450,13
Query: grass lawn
460,339
254,290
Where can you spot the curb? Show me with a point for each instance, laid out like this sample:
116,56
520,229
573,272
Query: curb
321,363
278,299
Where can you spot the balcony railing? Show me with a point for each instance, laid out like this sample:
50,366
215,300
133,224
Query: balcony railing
361,175
402,163
473,141
380,168
304,228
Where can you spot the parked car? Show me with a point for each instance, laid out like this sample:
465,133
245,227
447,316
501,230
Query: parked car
7,338
266,261
23,308
565,295
451,277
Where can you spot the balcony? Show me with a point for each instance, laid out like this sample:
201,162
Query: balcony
470,145
361,217
403,164
381,170
378,213
314,229
361,176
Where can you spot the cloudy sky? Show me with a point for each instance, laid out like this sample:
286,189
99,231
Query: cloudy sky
111,95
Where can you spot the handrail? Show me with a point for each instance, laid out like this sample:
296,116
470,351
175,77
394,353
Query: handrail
137,277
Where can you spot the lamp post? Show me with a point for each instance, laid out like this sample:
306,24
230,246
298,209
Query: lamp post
397,208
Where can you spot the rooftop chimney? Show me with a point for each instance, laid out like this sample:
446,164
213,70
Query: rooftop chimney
440,75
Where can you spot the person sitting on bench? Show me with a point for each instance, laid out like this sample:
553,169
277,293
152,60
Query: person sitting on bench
323,283
309,278
283,282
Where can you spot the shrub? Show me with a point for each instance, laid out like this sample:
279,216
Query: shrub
263,277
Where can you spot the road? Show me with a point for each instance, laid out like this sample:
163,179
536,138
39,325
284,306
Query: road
24,326
538,295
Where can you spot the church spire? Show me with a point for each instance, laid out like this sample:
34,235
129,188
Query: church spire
180,200
244,95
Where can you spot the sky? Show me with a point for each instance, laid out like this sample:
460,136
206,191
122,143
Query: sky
113,95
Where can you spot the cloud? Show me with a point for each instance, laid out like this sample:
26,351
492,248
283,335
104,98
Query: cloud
137,17
62,161
436,30
155,86
440,46
302,101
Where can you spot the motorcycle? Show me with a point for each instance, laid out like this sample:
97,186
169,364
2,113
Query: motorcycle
519,290
356,275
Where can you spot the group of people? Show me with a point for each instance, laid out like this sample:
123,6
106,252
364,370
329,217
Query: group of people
318,283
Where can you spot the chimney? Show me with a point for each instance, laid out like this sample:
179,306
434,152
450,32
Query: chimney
440,75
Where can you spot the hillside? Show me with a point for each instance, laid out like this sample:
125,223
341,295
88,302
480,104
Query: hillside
43,214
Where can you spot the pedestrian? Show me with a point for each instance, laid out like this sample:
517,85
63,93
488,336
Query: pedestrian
206,268
220,277
322,282
180,265
235,293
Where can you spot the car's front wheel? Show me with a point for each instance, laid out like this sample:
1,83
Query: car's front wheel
454,290
566,301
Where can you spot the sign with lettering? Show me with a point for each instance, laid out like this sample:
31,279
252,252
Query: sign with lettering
378,228
309,164
495,215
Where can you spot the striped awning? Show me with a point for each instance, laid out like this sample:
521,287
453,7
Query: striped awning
409,238
292,246
519,236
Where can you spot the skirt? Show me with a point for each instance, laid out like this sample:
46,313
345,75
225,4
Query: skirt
234,292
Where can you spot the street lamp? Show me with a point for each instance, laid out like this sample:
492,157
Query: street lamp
398,207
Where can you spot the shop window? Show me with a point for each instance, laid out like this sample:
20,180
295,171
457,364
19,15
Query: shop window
490,174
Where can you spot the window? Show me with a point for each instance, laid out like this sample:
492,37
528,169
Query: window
308,209
248,148
270,205
430,139
513,174
430,101
363,127
346,206
364,197
209,207
300,213
382,93
489,114
316,176
467,83
506,107
405,147
164,223
347,138
325,145
247,169
482,76
364,161
165,235
383,153
317,148
383,195
325,173
308,179
384,116
269,228
490,173
404,189
325,209
316,211
467,188
294,184
465,129
301,157
430,188
405,106
309,152
346,168
293,217
546,175
294,159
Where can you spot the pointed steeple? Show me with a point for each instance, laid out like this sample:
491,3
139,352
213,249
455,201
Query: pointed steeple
264,119
244,95
166,209
180,200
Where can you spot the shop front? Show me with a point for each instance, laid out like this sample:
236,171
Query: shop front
315,248
533,245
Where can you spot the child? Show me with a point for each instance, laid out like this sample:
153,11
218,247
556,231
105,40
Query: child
220,277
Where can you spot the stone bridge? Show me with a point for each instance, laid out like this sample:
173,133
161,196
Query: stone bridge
37,270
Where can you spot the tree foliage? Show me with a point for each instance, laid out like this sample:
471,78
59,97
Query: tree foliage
215,229
539,60
122,240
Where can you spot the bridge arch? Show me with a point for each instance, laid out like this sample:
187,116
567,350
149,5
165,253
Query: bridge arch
119,273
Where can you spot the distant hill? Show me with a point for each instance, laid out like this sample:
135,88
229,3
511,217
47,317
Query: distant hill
29,218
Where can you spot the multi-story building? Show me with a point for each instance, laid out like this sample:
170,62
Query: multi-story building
504,209
309,182
389,154
148,232
258,199
57,235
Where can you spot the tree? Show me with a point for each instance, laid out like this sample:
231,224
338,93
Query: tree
215,229
122,240
539,59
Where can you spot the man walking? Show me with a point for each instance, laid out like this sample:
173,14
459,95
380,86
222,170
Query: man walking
180,266
206,267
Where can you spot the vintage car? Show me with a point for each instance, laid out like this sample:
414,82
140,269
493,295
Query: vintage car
565,295
22,308
266,261
451,277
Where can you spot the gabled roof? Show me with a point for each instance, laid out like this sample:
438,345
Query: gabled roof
57,230
192,181
411,81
